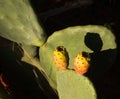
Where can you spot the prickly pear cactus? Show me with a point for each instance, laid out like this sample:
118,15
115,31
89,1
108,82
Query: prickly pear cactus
73,86
19,23
98,41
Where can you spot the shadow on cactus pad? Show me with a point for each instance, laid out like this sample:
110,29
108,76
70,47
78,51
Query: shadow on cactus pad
100,60
100,63
93,41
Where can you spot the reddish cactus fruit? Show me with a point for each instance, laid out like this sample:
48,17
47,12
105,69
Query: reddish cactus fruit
61,58
81,62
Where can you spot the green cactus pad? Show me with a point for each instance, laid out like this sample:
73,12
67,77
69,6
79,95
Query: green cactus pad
97,40
71,85
19,23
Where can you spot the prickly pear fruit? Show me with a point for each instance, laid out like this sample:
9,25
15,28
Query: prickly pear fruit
81,62
60,57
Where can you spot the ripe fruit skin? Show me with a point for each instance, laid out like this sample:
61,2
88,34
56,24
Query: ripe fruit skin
61,58
81,62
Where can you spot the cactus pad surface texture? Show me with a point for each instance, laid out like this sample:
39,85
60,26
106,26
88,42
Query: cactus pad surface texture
19,23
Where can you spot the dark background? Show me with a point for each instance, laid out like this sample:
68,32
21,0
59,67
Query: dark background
55,15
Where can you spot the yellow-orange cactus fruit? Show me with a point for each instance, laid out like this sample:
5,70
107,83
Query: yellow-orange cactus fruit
61,58
82,62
